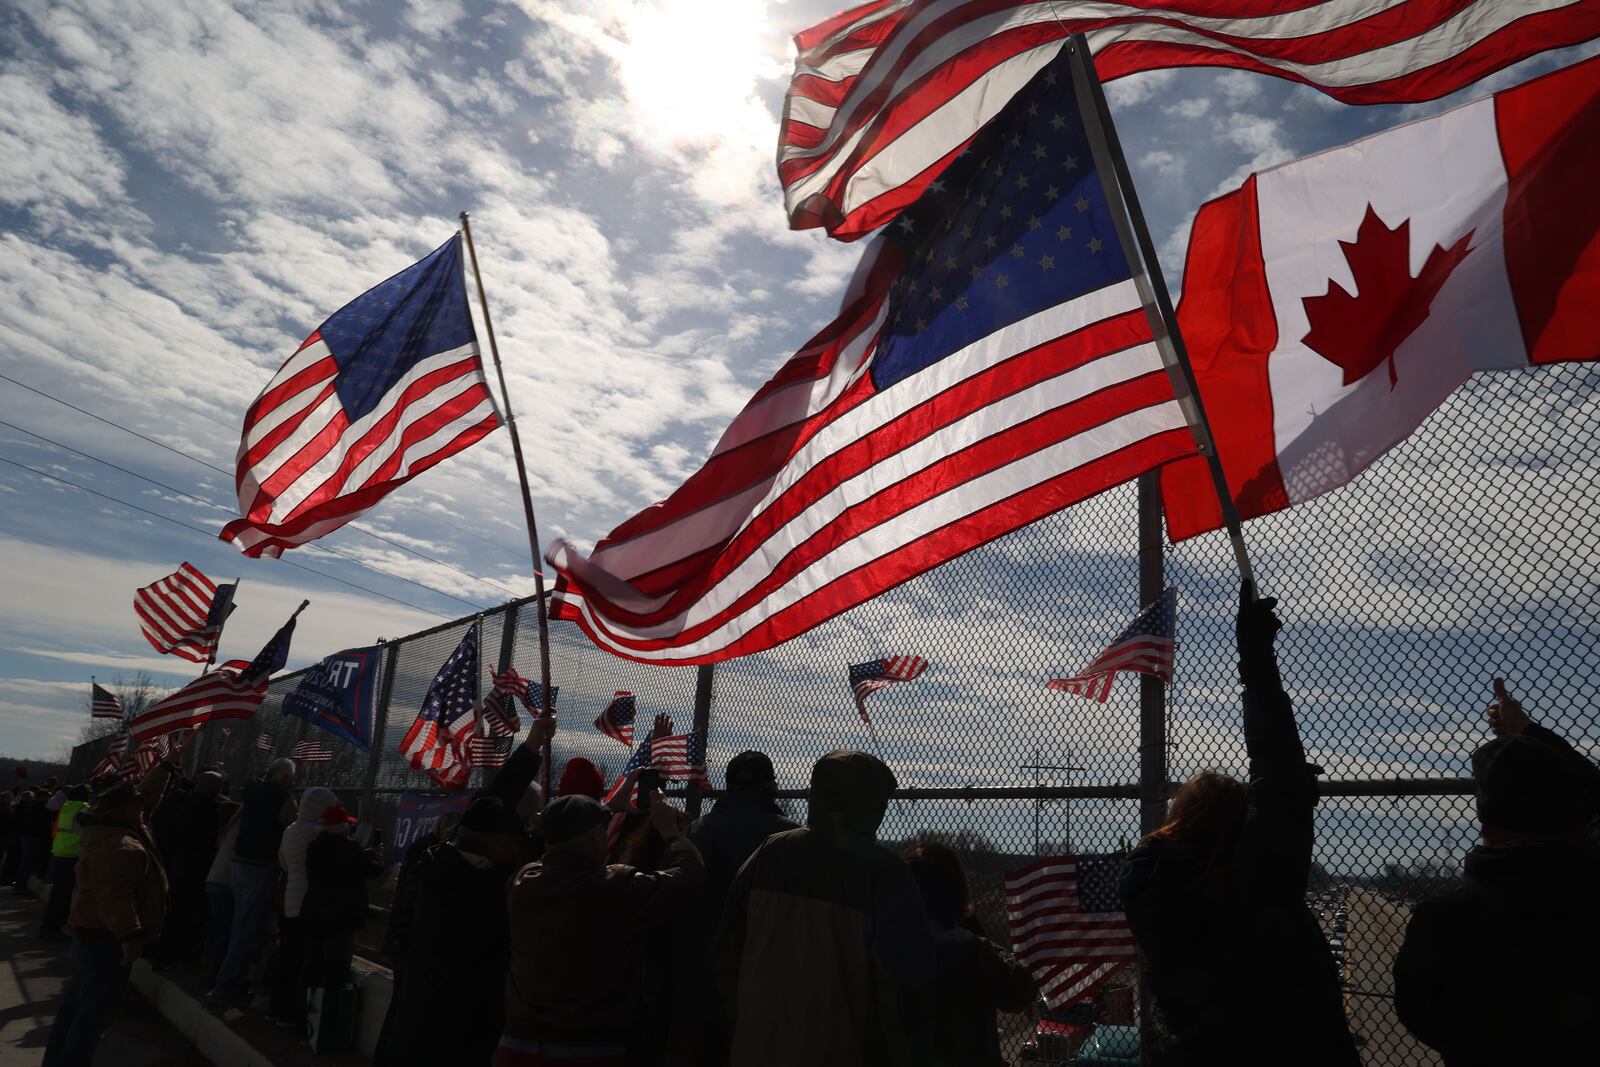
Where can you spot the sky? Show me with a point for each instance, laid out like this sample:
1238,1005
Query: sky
187,189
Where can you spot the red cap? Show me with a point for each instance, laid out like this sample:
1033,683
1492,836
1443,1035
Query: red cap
581,778
335,815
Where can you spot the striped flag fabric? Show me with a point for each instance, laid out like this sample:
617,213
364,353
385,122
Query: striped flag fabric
103,704
311,752
488,752
869,677
233,691
1144,647
884,95
183,613
617,718
390,385
678,758
993,364
147,755
264,743
432,744
1066,925
110,765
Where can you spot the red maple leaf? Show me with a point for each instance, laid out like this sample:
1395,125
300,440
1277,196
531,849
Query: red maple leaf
1359,332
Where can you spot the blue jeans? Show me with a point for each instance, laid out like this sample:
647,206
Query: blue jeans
253,889
99,981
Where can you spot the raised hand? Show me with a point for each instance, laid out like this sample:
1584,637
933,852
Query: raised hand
1257,623
1506,717
661,728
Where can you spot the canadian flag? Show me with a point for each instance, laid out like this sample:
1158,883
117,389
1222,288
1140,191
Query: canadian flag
1331,303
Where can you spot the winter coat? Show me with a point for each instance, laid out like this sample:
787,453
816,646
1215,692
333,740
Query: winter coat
1240,969
191,843
728,835
121,890
337,871
1583,769
1504,969
34,823
973,978
575,935
296,839
267,810
456,963
219,873
824,926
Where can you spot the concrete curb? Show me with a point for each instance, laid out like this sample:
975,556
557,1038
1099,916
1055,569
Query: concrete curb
215,1039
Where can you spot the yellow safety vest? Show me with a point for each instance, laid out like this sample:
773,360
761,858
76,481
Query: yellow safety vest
66,842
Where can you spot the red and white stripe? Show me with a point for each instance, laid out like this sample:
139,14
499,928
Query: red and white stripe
440,753
1265,259
1145,654
173,611
485,751
825,492
311,752
304,469
1069,952
264,743
110,764
219,694
885,94
670,756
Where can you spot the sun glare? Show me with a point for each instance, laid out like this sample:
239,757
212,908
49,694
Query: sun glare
690,67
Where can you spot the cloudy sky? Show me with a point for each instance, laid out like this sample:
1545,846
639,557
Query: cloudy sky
187,189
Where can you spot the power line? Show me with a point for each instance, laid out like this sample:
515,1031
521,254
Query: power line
207,534
226,473
220,355
229,511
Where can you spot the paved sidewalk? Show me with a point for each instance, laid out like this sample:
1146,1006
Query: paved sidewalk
33,976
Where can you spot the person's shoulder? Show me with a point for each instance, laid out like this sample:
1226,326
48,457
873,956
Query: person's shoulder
1140,867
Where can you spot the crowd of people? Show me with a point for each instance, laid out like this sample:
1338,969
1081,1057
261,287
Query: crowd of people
602,930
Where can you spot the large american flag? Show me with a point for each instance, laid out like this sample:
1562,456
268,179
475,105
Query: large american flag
617,718
232,691
433,743
992,365
1145,647
884,95
869,677
389,386
311,752
183,613
1067,926
103,704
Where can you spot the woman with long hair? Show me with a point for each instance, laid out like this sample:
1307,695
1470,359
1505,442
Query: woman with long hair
1216,896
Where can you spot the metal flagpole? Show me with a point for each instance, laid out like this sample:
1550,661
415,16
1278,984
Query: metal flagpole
527,506
1135,234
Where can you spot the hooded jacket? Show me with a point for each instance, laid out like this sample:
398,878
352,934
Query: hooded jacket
296,839
575,936
122,888
1503,970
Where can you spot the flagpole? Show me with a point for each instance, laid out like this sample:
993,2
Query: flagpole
527,504
1135,232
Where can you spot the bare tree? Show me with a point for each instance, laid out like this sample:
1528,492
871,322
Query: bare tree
136,694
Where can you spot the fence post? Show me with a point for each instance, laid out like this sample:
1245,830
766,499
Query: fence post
703,680
1152,709
380,722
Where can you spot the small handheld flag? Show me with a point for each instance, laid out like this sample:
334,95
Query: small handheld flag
1145,647
233,691
867,678
433,743
617,718
1066,925
311,752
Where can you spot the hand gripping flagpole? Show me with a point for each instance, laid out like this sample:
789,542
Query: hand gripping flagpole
1135,234
527,507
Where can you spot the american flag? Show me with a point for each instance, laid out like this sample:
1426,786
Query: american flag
678,757
183,613
617,719
1145,647
993,364
264,742
432,744
311,752
389,386
103,704
487,751
110,764
887,93
1066,924
869,677
232,691
147,755
500,715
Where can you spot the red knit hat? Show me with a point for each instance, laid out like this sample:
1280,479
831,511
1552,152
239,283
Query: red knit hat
581,778
335,815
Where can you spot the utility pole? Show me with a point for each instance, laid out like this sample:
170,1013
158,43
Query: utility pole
1038,770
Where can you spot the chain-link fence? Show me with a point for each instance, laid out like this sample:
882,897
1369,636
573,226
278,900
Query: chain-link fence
1464,554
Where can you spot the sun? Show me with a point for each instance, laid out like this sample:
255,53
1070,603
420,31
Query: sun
690,68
